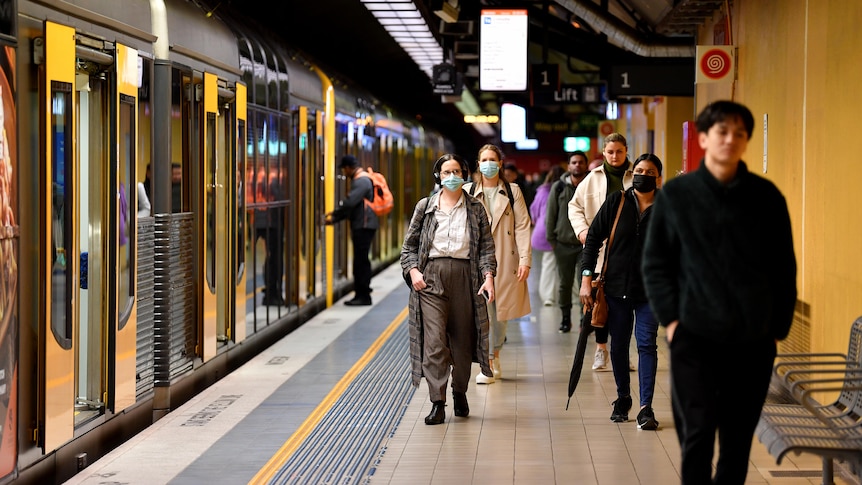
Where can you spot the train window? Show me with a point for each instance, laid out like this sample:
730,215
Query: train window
240,198
61,210
127,193
210,153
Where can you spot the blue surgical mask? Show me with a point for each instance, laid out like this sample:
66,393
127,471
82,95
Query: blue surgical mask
489,169
452,183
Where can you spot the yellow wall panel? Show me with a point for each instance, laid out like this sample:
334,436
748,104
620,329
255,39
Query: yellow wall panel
797,63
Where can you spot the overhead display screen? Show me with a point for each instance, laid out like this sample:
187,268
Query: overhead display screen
503,50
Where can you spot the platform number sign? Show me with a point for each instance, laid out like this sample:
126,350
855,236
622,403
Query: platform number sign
544,77
652,80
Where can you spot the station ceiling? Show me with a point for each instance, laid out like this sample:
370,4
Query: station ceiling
586,38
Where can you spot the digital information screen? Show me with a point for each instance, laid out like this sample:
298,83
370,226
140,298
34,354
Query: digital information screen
503,50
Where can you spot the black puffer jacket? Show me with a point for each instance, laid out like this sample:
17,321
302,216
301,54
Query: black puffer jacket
623,277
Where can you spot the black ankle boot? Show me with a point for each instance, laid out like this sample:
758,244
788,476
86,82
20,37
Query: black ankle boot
566,324
438,413
462,408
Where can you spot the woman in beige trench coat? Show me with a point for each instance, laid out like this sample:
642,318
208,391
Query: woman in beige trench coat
510,228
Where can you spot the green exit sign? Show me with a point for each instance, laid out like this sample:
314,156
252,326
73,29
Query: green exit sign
572,143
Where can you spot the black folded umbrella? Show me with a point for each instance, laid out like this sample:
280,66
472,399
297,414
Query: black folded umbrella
584,333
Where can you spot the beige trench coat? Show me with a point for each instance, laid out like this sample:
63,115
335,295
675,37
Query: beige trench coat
511,233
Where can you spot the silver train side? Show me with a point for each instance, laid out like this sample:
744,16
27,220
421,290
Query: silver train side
114,318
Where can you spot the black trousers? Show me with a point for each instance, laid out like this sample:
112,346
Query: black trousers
361,263
569,270
717,387
273,267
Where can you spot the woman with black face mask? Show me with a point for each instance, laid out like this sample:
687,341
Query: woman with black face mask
628,308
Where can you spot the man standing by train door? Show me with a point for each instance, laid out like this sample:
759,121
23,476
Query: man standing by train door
363,225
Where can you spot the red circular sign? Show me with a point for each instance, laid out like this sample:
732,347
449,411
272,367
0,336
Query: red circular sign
606,128
715,64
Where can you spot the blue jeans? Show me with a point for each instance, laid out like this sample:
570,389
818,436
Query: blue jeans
620,324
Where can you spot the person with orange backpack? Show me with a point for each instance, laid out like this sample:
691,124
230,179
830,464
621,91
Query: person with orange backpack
363,225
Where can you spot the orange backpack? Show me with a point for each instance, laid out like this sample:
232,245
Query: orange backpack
382,202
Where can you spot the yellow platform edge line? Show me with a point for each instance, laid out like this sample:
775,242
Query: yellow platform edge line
289,447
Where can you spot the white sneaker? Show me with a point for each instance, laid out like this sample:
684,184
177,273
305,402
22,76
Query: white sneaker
483,379
601,359
497,368
549,302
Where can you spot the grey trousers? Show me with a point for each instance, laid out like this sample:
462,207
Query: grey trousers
447,326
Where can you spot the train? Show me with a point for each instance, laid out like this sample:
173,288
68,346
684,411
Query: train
164,178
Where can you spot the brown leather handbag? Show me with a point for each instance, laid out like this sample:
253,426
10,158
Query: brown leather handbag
600,302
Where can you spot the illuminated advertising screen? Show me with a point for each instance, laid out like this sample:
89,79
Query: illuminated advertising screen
503,50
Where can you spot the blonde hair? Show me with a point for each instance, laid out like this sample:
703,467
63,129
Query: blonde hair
493,148
615,137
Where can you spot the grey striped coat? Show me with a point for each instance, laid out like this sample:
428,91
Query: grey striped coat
414,254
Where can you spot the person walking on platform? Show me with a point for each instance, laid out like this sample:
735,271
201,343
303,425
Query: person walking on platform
510,227
720,273
363,226
448,261
548,280
613,175
558,230
627,303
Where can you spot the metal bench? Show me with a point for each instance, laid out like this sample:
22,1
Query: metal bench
832,431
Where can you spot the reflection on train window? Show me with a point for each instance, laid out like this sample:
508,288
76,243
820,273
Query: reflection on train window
126,190
61,221
240,200
181,134
211,195
267,200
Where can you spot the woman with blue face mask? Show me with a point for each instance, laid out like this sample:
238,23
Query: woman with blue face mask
448,262
510,227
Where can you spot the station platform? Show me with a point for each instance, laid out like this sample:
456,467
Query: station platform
332,403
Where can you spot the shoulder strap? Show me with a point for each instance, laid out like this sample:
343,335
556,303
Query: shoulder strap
509,193
611,238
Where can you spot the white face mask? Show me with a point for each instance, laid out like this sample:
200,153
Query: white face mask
489,169
452,183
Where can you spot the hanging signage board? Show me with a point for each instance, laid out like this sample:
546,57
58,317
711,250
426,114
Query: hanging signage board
503,50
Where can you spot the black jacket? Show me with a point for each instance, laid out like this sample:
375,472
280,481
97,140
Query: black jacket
719,257
623,275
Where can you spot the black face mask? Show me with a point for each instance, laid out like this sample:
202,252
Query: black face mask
644,183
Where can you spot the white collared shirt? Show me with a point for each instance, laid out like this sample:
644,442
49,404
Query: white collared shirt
452,237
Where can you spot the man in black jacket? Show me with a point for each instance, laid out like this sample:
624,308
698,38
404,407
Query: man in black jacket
363,225
720,273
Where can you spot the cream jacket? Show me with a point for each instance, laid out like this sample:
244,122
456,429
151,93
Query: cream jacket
511,232
588,199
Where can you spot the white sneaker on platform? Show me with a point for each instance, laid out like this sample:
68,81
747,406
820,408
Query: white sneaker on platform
483,379
601,359
497,368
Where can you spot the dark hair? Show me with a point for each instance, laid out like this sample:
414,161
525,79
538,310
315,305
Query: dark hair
578,152
465,169
719,111
348,161
650,157
554,174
